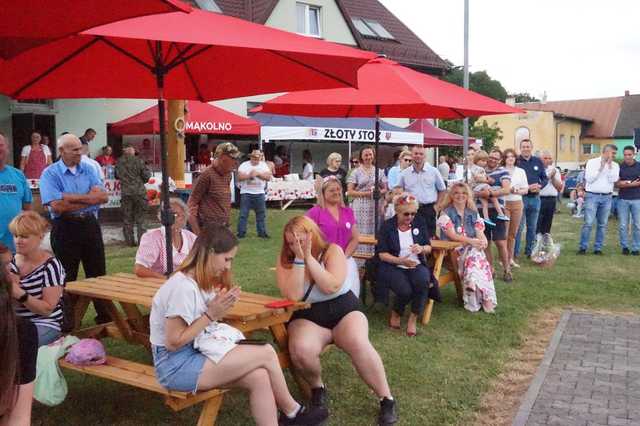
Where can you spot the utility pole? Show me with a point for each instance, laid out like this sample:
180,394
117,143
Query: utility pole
465,124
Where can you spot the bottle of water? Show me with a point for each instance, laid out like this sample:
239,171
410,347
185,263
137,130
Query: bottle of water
110,172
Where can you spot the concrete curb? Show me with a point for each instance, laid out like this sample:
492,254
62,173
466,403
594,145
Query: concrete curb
536,384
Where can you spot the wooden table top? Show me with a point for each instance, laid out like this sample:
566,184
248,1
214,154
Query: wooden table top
128,288
436,244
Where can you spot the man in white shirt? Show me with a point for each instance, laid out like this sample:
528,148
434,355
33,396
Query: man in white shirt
600,175
253,176
548,194
90,161
443,167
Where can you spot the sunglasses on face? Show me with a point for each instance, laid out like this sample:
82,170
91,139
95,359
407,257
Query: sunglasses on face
407,160
407,214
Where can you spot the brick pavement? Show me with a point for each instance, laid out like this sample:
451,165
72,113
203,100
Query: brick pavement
590,374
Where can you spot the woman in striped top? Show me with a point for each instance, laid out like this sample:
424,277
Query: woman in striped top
38,279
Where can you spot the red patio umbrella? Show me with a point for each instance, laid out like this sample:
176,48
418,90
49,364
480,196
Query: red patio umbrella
25,24
434,136
201,118
388,89
199,55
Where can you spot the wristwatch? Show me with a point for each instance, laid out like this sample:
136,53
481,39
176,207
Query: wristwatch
23,298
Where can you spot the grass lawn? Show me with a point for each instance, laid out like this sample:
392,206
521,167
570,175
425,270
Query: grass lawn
437,378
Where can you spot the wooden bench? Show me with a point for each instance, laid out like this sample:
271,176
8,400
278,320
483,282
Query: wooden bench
143,376
443,251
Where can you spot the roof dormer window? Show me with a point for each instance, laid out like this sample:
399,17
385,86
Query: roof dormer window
371,28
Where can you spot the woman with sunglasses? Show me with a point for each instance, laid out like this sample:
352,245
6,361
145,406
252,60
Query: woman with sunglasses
404,161
459,221
403,243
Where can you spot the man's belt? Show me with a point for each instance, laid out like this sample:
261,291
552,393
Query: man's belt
598,193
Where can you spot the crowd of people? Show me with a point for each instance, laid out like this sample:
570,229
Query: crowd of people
511,194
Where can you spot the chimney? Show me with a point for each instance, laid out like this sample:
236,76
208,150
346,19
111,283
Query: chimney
511,101
626,93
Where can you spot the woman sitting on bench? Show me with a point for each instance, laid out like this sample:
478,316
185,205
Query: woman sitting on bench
196,297
403,243
312,270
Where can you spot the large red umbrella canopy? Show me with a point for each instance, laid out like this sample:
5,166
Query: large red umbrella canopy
25,24
199,55
202,55
388,89
434,136
201,118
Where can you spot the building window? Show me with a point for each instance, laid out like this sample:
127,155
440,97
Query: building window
308,19
209,5
561,143
590,148
371,28
572,144
251,105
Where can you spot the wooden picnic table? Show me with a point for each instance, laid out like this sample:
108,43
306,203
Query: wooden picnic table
132,293
443,253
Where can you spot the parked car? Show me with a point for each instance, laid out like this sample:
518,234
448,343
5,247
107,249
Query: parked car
570,182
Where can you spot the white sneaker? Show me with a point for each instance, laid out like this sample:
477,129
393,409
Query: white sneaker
514,264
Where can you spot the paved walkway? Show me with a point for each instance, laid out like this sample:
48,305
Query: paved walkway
590,374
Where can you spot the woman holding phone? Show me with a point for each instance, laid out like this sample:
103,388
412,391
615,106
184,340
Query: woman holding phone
195,298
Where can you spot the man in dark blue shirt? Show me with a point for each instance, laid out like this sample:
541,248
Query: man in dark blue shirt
537,179
629,201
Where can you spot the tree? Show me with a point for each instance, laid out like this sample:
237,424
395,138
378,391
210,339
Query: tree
523,97
489,134
479,82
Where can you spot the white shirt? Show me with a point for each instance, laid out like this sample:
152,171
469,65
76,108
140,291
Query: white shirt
26,150
519,181
254,185
181,297
406,241
600,182
307,172
93,163
444,170
549,190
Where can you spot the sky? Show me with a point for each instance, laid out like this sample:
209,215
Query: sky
570,49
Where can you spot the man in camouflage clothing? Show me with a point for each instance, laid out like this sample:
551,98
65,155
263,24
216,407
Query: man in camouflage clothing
133,174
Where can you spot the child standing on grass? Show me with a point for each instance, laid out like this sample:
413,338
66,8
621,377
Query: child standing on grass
480,184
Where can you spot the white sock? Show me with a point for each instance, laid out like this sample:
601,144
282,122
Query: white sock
293,413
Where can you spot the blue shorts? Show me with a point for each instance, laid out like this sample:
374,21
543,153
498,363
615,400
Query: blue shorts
178,370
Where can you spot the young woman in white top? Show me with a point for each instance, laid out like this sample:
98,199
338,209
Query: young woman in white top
513,201
196,297
315,271
307,170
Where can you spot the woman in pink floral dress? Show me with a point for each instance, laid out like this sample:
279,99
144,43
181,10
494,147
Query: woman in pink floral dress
459,221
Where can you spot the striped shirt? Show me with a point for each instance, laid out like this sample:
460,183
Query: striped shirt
49,274
210,200
152,254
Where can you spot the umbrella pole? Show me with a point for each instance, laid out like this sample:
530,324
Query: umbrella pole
166,215
376,189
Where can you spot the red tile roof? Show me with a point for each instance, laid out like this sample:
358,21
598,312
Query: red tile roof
407,48
603,112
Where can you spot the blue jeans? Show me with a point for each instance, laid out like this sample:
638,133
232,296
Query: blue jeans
255,202
596,208
47,335
530,212
628,208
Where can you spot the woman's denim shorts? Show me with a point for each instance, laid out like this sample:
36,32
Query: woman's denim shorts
178,370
